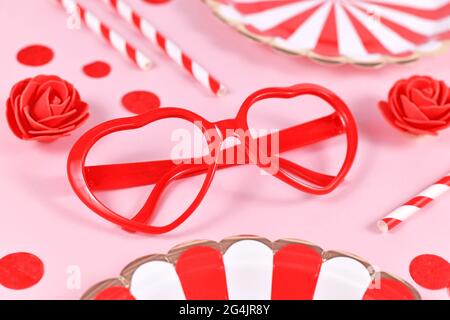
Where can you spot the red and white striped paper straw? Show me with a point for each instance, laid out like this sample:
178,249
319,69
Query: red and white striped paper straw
414,205
168,46
116,40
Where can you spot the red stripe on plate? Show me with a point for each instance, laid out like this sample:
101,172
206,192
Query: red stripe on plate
327,44
115,293
295,272
388,289
422,13
255,7
370,42
287,28
444,36
202,274
400,30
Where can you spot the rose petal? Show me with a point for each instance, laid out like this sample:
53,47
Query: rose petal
446,117
18,115
434,126
28,94
57,121
418,82
81,113
58,93
81,121
435,112
445,126
74,99
444,92
35,125
12,120
437,89
386,111
47,139
58,109
399,88
18,88
41,108
41,79
55,131
395,102
59,89
428,124
411,110
57,84
413,130
420,99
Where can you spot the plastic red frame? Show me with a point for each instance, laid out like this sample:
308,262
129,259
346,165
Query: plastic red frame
161,173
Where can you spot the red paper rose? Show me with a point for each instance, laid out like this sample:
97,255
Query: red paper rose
45,108
418,105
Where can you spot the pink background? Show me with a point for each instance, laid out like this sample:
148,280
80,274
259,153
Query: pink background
41,214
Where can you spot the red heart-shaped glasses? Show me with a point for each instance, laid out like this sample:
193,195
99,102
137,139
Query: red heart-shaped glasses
87,179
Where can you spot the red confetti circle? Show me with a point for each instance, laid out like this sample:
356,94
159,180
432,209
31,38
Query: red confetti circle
430,271
20,270
140,102
115,293
35,55
97,69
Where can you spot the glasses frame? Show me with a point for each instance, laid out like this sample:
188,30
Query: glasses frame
340,122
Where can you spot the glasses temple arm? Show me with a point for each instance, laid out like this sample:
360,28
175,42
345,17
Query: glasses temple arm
118,176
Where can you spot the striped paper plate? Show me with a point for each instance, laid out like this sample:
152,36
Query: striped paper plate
252,268
362,32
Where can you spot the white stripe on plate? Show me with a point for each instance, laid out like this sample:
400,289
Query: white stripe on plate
248,269
435,191
418,4
342,278
403,213
417,24
268,19
156,280
308,34
389,39
431,46
348,39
